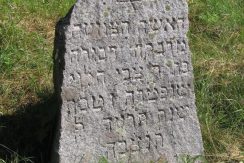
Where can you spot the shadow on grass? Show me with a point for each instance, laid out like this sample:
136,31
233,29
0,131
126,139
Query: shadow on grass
29,132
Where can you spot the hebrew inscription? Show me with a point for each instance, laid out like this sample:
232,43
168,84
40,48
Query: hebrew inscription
123,75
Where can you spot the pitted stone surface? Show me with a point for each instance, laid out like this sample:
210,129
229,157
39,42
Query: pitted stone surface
123,73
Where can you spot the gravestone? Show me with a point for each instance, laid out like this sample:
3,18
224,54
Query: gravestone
124,78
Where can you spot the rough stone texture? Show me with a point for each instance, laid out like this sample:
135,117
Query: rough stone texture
124,77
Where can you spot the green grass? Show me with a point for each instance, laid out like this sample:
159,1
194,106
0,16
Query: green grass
217,44
26,43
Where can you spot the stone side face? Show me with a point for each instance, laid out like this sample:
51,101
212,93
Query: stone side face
124,78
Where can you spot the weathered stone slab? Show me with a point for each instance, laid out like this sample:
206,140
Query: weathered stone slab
123,73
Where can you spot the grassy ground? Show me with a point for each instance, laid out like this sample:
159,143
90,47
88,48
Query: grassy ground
27,107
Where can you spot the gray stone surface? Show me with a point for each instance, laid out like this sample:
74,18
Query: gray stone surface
124,78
